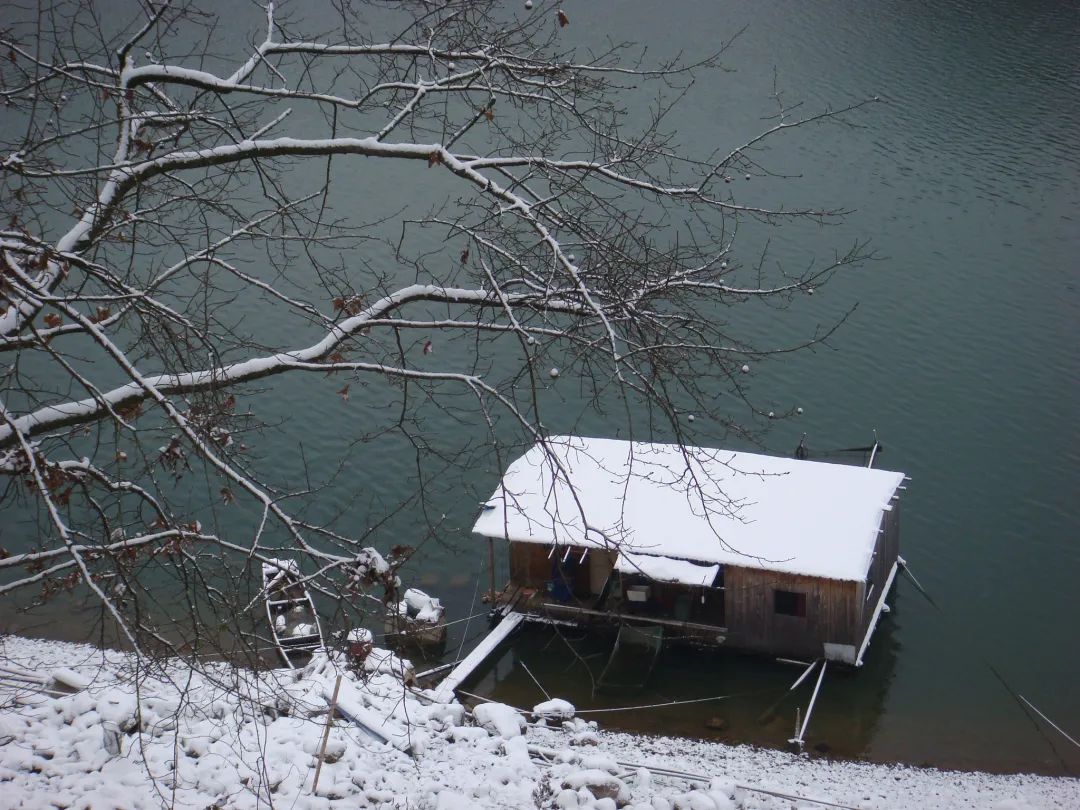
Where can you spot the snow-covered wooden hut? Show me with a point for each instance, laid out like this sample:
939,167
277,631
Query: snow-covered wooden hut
774,555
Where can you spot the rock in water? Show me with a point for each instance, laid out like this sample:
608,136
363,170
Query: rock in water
556,709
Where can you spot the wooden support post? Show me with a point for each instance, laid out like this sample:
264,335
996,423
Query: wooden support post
798,738
326,735
802,677
806,673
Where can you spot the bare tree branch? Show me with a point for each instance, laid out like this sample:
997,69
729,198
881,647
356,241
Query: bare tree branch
190,224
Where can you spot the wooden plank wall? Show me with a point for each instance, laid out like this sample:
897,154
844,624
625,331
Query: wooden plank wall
885,553
529,564
836,611
832,612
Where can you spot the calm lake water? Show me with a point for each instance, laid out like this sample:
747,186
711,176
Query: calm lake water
962,354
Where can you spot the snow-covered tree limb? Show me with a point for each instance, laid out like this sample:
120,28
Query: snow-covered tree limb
188,229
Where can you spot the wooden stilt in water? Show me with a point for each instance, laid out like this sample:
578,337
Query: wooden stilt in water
802,677
798,738
766,715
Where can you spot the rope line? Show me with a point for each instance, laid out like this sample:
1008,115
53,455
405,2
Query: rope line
1020,699
472,609
676,702
1051,722
427,627
538,684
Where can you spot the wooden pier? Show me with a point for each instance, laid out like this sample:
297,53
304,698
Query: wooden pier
459,674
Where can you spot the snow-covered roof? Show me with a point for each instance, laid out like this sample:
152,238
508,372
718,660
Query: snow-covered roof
689,503
666,569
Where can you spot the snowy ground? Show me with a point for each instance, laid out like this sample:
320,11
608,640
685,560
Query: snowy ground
221,737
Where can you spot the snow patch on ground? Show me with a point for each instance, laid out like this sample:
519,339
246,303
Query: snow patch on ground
137,737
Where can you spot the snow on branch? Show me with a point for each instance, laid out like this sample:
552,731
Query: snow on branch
444,206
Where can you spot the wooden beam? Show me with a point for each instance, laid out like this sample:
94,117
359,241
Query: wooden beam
877,613
570,609
481,651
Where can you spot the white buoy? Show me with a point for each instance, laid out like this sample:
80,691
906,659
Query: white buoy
554,373
798,410
528,4
723,265
745,369
530,340
772,415
809,290
690,418
747,177
572,257
450,66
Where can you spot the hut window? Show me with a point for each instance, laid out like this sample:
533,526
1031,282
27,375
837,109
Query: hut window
788,603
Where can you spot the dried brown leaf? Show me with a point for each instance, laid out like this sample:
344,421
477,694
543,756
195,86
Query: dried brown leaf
129,412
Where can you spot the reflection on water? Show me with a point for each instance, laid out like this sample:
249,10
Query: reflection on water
726,697
719,695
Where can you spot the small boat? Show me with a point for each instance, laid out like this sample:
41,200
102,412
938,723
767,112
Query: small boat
294,624
416,619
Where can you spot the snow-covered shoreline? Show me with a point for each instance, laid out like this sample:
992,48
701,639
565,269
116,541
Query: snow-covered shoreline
222,737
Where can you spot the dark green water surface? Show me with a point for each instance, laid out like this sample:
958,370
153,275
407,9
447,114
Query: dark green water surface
962,353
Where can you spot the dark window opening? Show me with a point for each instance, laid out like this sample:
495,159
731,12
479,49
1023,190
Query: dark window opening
787,603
